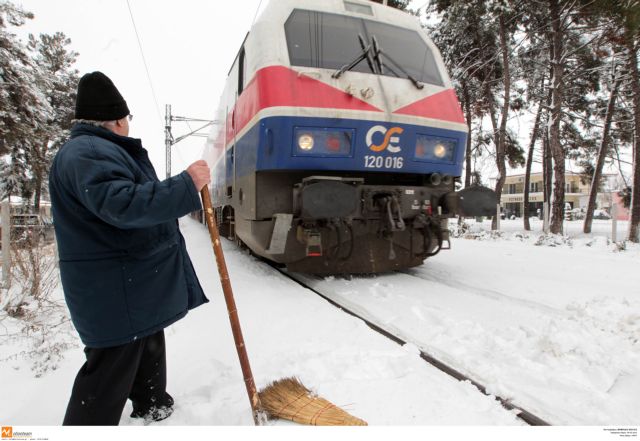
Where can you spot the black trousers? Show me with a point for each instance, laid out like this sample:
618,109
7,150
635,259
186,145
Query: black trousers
110,376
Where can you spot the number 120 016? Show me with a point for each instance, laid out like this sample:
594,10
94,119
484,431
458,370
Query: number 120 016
383,162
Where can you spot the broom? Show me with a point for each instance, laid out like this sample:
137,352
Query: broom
287,398
290,400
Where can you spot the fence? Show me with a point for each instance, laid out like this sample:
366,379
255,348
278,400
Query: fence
614,229
19,228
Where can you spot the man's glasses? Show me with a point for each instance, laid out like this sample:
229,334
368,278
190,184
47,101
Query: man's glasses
129,117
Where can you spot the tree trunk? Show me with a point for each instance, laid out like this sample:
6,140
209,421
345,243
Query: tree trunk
547,167
502,135
527,173
38,170
37,192
496,141
602,154
491,105
467,111
634,221
557,152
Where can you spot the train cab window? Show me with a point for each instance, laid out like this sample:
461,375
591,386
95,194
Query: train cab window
407,49
330,41
337,45
241,71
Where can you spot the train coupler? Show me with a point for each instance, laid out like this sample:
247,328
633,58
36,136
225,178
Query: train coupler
391,212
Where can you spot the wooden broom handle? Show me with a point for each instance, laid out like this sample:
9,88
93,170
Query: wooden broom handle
249,382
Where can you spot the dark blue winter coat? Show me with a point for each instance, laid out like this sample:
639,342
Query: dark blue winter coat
123,263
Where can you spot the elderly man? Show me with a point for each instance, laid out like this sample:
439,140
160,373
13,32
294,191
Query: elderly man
124,266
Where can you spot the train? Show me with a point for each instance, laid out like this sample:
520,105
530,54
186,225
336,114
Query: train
340,141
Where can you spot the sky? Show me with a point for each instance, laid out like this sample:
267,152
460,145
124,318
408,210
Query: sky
188,50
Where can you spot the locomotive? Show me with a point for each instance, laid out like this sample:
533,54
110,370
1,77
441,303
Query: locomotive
341,141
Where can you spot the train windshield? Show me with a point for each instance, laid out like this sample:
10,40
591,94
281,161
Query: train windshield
330,41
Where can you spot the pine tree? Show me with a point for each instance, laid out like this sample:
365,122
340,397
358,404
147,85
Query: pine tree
506,26
37,83
59,82
630,17
476,38
562,72
574,77
608,48
458,39
24,109
624,17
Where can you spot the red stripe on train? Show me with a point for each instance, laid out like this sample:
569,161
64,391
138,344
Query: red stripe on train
443,105
278,86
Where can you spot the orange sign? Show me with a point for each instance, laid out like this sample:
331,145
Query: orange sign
7,432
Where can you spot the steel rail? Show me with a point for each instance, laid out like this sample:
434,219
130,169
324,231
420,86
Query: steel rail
528,417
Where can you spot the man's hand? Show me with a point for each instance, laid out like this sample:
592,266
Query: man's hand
200,174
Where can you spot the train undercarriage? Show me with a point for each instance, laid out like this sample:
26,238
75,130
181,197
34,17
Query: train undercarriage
323,224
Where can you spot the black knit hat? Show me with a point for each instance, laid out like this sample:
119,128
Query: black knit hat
98,99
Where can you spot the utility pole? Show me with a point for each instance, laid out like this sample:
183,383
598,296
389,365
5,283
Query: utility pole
169,140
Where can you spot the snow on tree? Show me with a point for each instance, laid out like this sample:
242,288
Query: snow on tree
476,39
58,80
24,108
552,60
37,95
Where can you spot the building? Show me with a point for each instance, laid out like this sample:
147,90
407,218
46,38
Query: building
576,194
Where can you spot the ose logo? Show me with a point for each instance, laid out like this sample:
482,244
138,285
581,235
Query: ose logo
7,432
389,142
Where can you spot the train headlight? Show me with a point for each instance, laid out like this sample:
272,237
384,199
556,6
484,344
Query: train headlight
440,151
305,142
323,141
435,148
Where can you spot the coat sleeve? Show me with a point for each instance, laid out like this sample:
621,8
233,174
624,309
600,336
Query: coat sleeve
105,184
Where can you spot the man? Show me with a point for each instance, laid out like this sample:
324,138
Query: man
124,266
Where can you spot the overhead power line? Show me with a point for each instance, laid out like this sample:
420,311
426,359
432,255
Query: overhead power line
256,14
144,61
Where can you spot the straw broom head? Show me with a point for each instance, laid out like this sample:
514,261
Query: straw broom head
288,399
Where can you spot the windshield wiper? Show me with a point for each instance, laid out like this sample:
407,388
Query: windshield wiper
366,53
377,52
376,55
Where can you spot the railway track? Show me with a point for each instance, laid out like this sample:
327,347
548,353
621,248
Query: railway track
526,416
450,281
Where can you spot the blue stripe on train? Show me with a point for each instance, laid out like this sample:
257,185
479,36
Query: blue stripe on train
271,145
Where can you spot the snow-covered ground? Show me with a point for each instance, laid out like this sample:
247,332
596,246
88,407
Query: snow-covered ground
555,327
